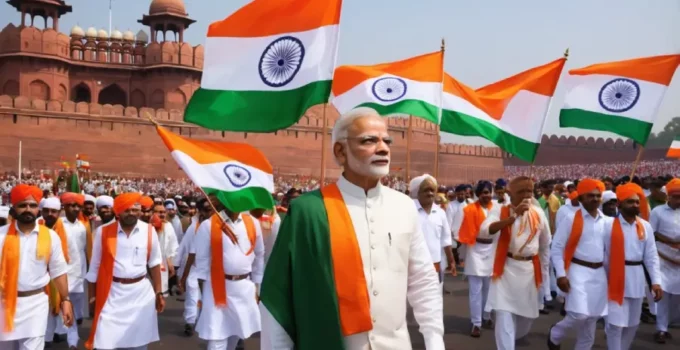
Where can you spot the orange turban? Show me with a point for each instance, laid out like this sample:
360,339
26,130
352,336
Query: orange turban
23,192
673,186
70,197
626,191
589,185
146,202
125,201
573,195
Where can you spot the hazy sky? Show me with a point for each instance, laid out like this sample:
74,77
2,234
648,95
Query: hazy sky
486,40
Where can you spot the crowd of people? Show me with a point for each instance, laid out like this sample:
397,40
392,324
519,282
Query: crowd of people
297,271
596,170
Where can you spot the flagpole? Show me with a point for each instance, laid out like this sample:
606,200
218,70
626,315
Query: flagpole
324,150
409,137
545,117
437,137
637,161
19,161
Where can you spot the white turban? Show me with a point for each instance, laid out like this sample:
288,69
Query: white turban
40,205
104,201
89,198
608,196
414,185
4,212
52,203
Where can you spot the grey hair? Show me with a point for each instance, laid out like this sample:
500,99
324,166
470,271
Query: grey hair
339,133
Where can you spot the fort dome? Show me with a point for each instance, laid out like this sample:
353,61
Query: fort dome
102,35
175,7
91,32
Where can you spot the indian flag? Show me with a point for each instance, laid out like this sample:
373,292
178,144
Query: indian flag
412,86
266,64
674,151
510,113
238,174
620,97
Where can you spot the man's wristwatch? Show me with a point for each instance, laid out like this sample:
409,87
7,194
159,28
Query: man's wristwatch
159,294
65,299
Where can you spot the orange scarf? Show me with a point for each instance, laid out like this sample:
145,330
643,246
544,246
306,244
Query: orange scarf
354,304
9,268
473,217
105,275
504,245
219,289
574,238
617,260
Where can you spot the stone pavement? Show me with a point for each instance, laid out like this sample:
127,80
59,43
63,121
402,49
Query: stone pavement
456,321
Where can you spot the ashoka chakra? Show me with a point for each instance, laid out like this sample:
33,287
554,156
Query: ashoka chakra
237,175
281,61
389,89
619,95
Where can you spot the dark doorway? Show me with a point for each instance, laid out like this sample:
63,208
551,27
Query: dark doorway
113,95
81,93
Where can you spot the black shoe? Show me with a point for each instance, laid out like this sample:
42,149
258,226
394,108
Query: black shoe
475,332
57,339
551,345
240,345
487,324
544,311
79,321
188,330
660,337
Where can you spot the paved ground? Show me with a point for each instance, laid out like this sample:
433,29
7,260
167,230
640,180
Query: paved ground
456,322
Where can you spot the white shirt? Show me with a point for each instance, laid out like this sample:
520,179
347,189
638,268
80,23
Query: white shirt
452,210
666,221
77,234
33,273
564,211
636,250
435,229
397,267
478,257
185,248
270,240
131,251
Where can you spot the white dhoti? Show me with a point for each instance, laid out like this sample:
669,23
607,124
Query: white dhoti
55,324
30,320
584,326
666,308
240,318
479,292
128,319
509,328
622,323
191,298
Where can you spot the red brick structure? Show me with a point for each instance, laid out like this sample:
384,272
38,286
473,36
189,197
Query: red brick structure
89,93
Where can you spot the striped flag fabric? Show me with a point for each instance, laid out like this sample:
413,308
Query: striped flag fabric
266,64
510,113
412,86
238,174
674,150
620,97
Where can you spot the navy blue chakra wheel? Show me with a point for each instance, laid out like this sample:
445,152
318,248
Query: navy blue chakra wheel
619,95
281,61
389,89
237,175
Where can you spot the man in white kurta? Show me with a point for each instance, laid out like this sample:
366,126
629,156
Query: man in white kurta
34,273
243,266
168,243
479,255
128,316
639,249
665,221
76,231
515,292
396,263
454,209
585,281
50,214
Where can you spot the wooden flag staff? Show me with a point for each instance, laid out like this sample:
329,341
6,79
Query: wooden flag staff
437,137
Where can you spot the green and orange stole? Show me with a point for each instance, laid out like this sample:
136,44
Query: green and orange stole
314,283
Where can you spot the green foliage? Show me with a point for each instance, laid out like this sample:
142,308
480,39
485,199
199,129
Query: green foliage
665,137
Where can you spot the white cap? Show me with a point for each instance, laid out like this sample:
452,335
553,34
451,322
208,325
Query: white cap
414,186
4,212
104,201
40,205
52,203
567,183
608,196
89,198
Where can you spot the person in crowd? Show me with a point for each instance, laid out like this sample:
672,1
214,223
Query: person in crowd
609,204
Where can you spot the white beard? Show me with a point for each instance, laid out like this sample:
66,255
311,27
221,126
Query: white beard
366,168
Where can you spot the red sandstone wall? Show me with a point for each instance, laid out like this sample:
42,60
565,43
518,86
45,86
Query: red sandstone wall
556,150
118,140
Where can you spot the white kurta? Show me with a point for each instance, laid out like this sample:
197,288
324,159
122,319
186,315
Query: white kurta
183,249
435,229
128,318
30,319
666,221
565,211
75,285
397,267
516,291
168,243
478,257
270,239
77,232
588,294
241,316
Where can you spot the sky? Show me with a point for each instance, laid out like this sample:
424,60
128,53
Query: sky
486,40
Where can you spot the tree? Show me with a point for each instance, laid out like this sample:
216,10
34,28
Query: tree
666,136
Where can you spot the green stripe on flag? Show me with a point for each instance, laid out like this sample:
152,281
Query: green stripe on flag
636,130
254,111
462,124
417,108
245,199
